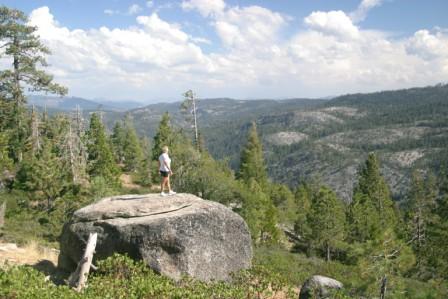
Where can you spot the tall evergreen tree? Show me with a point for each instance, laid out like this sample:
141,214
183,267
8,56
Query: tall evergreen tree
118,139
143,172
252,164
259,213
327,221
42,173
132,151
421,203
303,197
371,202
27,53
164,136
100,157
436,245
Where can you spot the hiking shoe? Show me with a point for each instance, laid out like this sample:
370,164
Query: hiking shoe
163,194
171,193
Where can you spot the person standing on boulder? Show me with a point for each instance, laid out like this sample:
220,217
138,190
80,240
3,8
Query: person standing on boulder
165,172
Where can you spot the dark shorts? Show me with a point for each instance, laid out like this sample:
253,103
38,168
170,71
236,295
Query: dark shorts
164,173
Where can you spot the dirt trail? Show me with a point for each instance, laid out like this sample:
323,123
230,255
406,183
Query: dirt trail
30,254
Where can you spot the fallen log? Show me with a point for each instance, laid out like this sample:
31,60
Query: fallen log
78,279
2,214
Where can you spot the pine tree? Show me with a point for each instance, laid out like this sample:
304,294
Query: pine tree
27,53
422,201
436,245
386,258
327,221
252,164
143,171
118,139
132,152
303,197
363,219
259,213
100,158
164,136
371,194
42,173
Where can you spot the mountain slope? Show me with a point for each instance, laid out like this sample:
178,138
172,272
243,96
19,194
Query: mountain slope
323,139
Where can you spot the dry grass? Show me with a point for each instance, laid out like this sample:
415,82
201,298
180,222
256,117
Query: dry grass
30,254
126,182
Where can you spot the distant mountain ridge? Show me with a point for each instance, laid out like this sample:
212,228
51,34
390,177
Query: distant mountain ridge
70,103
325,140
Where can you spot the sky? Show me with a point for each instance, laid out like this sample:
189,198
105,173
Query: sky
153,51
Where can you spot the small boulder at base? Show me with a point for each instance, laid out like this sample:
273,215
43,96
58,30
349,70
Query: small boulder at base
175,235
318,287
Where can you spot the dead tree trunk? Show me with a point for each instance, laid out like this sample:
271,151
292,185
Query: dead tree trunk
2,214
383,288
78,279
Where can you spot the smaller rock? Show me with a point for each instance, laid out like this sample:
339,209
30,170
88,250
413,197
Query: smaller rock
318,287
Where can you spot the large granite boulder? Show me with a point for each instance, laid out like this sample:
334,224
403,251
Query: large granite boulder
175,235
318,286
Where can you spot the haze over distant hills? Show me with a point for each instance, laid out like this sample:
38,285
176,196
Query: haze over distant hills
70,103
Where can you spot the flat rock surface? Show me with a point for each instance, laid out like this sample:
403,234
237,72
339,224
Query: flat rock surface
174,235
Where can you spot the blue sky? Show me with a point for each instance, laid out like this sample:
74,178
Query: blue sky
154,50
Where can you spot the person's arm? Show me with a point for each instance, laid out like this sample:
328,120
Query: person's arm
169,168
166,165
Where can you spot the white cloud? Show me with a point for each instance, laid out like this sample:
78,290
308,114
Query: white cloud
134,9
155,59
205,7
333,23
428,46
361,12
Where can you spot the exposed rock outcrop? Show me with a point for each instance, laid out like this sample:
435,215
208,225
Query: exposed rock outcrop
175,235
318,287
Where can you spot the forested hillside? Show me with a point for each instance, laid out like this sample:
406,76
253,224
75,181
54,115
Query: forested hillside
322,139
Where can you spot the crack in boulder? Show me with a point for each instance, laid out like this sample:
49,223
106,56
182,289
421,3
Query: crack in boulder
106,217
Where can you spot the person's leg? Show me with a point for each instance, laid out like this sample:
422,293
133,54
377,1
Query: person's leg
164,183
168,183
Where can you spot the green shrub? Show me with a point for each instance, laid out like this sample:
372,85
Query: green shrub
120,277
